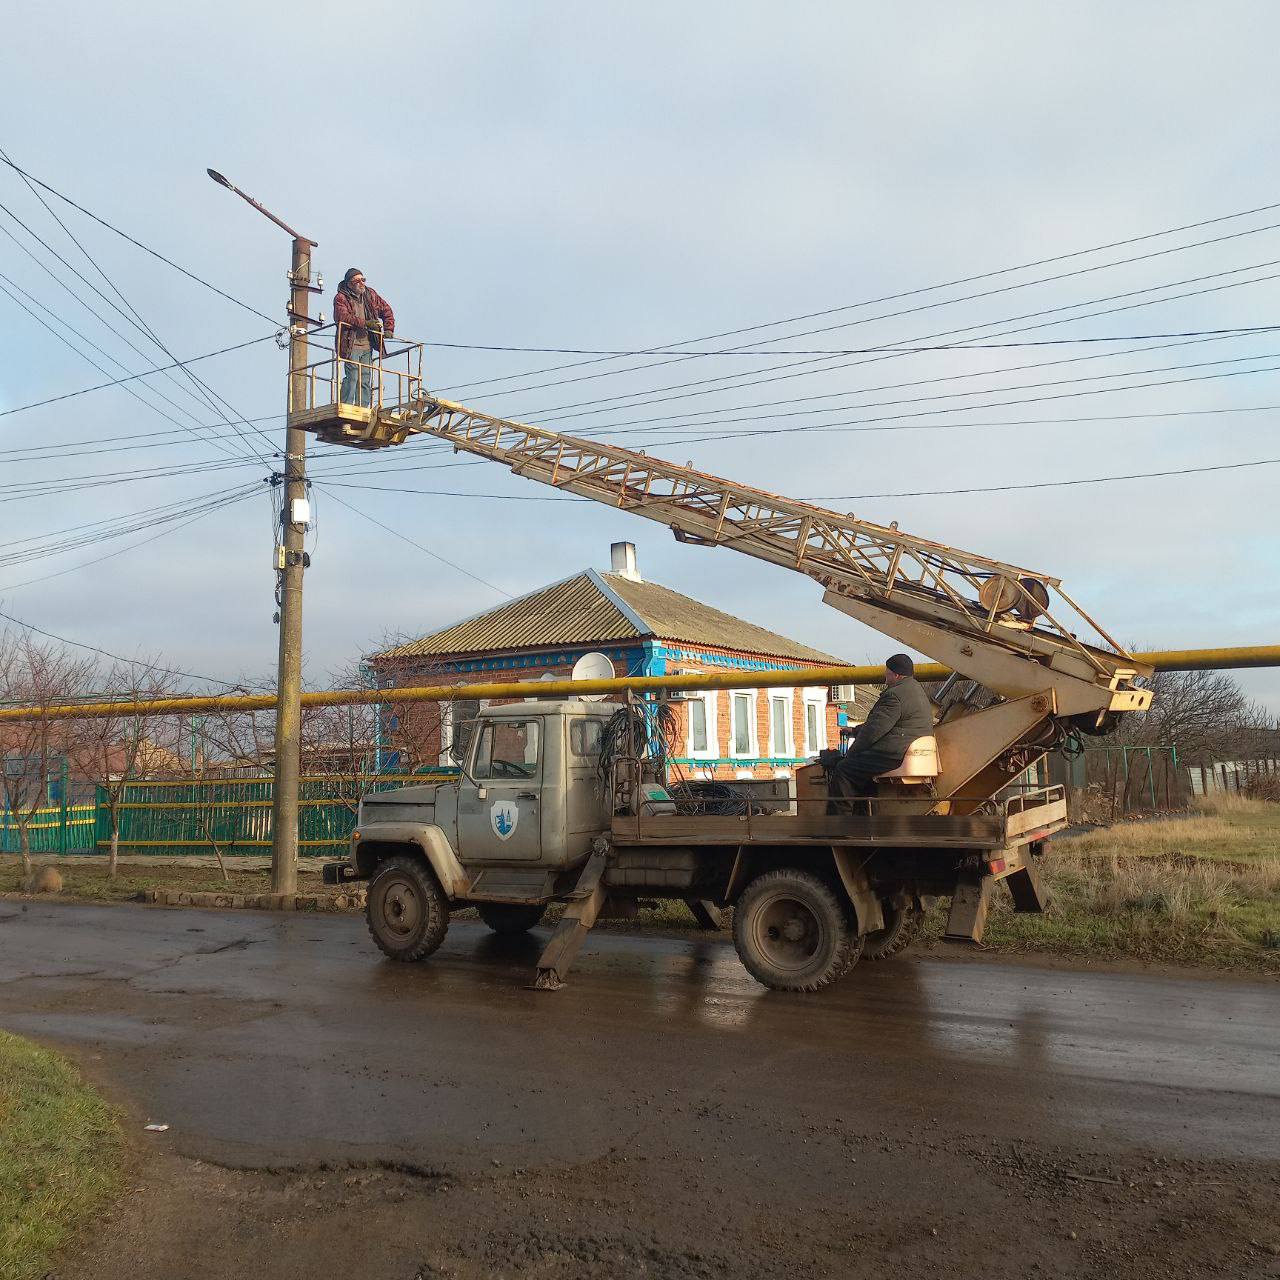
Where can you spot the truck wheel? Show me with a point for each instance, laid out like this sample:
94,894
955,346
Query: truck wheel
509,917
901,928
406,911
792,932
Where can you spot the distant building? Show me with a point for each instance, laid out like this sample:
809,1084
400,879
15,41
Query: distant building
645,630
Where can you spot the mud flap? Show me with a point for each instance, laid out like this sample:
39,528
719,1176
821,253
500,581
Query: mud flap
579,917
969,905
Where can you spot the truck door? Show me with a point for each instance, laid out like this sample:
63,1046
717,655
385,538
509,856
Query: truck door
500,818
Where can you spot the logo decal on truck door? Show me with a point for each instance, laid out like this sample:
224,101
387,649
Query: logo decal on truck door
503,818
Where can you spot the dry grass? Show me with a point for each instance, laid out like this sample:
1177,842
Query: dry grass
1201,889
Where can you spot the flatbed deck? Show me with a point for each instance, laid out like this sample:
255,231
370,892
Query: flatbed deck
1021,818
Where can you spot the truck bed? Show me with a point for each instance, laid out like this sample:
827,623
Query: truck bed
1030,815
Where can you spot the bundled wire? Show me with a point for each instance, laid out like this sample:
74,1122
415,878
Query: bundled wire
639,731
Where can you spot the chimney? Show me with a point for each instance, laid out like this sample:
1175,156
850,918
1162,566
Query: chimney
623,558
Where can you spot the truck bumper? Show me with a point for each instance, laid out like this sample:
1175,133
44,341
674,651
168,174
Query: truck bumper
339,873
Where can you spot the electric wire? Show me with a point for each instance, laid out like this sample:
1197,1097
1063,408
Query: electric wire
133,377
749,379
205,389
435,555
209,397
895,297
127,387
928,306
115,657
168,531
1236,330
102,351
191,275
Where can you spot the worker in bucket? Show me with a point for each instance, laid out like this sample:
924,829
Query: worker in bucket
364,321
902,714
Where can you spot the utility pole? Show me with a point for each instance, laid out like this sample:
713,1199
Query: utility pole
290,563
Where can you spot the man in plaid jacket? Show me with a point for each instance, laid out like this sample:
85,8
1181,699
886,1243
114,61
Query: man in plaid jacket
363,321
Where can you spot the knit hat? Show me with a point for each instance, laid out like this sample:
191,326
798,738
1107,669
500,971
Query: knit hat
351,271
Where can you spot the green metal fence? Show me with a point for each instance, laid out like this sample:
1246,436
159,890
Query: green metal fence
195,816
54,829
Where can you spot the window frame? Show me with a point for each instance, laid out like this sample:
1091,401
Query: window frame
787,699
753,724
491,726
712,750
816,696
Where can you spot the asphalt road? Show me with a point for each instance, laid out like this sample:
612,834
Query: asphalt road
661,1116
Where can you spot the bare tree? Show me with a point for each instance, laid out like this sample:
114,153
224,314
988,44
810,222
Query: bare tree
121,749
1199,712
37,674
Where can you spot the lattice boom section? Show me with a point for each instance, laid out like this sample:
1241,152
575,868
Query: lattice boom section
1000,602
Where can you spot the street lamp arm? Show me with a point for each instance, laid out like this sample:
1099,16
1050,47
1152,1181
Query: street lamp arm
262,209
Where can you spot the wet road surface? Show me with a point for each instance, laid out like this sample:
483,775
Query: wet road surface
697,1120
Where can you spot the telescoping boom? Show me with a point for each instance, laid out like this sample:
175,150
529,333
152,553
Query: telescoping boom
1012,630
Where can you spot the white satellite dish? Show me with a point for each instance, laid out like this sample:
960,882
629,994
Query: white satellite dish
593,666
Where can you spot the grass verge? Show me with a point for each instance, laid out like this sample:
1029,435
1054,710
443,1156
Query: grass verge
90,882
61,1155
1202,889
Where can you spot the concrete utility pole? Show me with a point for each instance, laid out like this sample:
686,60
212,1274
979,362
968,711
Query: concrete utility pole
290,563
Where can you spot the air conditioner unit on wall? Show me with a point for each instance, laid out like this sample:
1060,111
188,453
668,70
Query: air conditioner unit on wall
842,693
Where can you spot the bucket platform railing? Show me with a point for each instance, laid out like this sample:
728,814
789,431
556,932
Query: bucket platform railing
358,400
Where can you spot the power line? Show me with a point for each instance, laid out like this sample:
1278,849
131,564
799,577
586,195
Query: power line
896,297
435,555
928,306
856,497
111,555
748,380
115,657
133,377
1236,330
191,275
131,390
136,522
1060,484
135,319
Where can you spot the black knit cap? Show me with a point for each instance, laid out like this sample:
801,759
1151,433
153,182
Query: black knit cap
900,665
351,271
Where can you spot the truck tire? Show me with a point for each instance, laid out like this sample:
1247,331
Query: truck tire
901,928
792,932
510,917
407,913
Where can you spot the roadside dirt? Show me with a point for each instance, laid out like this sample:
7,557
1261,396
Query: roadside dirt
759,1199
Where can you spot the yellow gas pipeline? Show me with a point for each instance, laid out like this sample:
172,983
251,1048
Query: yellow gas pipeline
1162,660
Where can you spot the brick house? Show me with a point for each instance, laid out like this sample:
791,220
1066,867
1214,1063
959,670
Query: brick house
645,630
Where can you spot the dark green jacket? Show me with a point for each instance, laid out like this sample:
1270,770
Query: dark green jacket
902,714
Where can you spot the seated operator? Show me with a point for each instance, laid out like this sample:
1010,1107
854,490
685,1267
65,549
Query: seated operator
902,714
363,321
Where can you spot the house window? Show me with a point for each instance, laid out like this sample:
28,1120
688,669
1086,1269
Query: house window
703,742
742,729
815,721
781,744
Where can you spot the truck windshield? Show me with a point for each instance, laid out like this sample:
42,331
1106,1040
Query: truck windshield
507,749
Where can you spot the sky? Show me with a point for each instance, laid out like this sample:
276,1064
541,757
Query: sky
599,176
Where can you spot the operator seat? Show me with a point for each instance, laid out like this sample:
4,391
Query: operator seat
919,766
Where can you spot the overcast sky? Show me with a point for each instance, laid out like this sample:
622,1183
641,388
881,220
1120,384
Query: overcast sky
592,175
